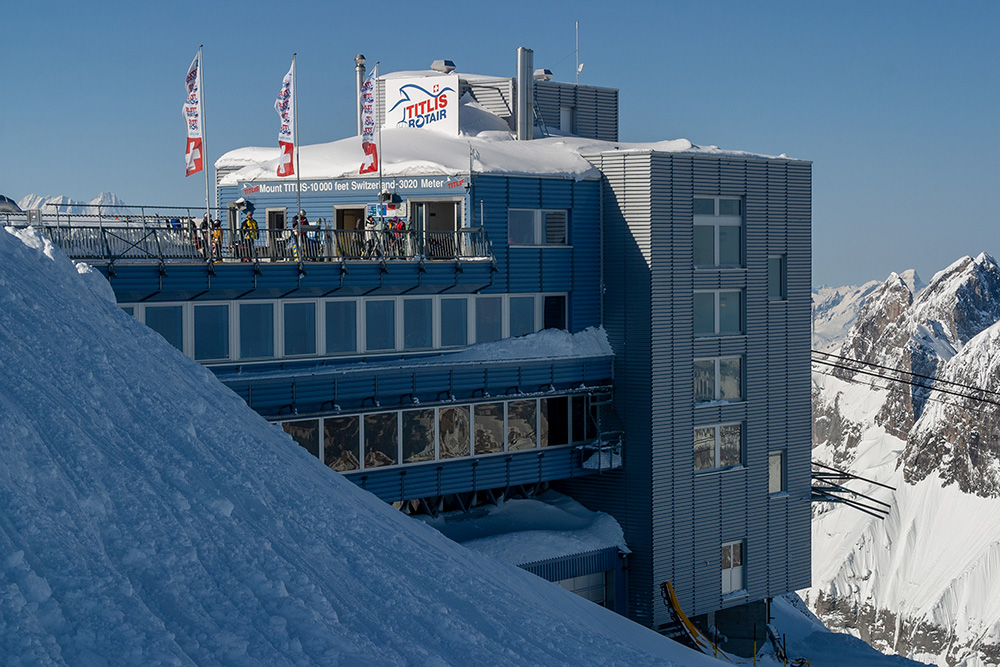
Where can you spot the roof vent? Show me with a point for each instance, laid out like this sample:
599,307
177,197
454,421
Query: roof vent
543,75
446,66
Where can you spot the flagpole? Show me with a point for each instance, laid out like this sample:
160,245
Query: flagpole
378,127
204,134
295,132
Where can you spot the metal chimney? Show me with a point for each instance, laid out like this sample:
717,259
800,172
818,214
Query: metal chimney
525,93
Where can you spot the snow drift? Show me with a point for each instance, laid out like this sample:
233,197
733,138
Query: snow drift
148,516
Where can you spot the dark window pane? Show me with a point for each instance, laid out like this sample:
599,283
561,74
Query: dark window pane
704,313
418,324
522,315
341,327
730,312
579,418
381,439
489,318
704,207
554,312
306,433
729,245
211,332
489,428
521,227
300,328
168,321
776,278
704,245
521,427
729,207
454,322
453,431
418,435
555,227
380,325
555,421
341,443
256,330
129,310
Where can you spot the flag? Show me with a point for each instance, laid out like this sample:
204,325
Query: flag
284,105
368,124
194,157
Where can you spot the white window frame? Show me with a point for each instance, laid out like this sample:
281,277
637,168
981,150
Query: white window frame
717,220
717,316
319,328
538,224
358,328
274,328
733,579
717,393
717,452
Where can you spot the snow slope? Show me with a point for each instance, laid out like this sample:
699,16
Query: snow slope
148,516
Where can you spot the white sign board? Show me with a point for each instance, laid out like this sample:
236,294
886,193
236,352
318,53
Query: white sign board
425,103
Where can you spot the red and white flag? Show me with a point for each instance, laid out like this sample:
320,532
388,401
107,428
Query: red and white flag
194,158
284,105
368,124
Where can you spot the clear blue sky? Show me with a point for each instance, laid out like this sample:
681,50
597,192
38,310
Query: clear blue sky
896,103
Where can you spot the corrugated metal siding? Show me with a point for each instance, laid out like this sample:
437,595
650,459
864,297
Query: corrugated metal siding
596,109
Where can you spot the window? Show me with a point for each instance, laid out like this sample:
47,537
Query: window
380,325
256,330
718,379
300,328
489,318
522,425
453,431
554,312
168,321
732,567
454,322
418,324
718,224
718,312
341,438
418,435
381,439
522,315
776,472
536,227
718,446
341,327
777,278
306,433
211,332
488,428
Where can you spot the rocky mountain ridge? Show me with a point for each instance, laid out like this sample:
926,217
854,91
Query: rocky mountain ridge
106,203
912,400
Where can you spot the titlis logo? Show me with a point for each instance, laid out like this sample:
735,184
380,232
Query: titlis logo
425,111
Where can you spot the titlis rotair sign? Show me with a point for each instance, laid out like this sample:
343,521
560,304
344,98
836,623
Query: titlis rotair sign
426,103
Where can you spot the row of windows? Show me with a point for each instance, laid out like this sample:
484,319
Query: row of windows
254,330
377,439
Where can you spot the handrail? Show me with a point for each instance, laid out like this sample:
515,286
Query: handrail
115,240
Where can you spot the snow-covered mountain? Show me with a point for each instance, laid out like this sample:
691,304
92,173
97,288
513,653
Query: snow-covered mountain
107,203
921,413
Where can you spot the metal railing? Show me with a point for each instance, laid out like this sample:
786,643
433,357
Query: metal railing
127,240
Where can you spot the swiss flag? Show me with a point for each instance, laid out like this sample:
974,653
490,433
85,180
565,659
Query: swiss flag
193,158
371,161
285,166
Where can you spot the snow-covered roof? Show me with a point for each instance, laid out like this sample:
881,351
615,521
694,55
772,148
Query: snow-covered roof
485,146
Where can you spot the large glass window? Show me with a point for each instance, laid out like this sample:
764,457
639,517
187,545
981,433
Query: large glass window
341,327
380,325
341,443
718,226
554,421
453,431
256,330
554,312
719,446
732,567
381,439
418,324
211,332
522,315
418,435
306,433
489,318
168,321
718,379
718,312
537,227
521,425
300,328
488,427
454,322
